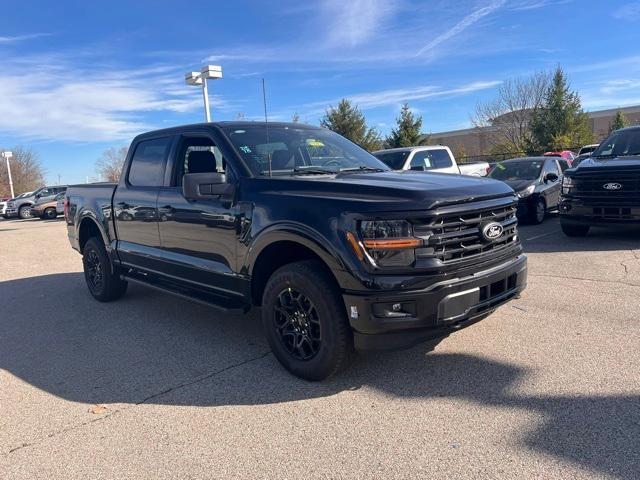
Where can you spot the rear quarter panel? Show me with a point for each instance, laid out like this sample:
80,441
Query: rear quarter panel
91,203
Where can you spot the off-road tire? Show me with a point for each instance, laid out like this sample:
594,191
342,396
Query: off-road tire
572,230
327,313
94,258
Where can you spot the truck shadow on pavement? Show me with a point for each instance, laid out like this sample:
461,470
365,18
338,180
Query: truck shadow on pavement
147,348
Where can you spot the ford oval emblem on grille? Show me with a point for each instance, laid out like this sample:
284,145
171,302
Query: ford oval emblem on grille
492,231
612,186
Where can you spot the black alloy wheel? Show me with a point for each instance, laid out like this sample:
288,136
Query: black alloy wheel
296,320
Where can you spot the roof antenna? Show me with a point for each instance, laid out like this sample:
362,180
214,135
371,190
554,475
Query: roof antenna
266,121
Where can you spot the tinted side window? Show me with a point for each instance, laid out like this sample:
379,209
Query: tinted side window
431,159
563,165
551,166
198,155
440,158
147,164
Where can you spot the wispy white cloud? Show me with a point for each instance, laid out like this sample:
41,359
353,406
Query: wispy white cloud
98,104
382,98
353,22
629,12
536,4
461,26
22,38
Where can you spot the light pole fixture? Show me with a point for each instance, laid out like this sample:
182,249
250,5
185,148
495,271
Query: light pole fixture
208,72
7,155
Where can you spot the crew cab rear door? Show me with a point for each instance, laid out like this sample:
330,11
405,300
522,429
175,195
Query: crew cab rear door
135,203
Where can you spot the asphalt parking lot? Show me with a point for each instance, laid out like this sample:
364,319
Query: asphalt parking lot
154,387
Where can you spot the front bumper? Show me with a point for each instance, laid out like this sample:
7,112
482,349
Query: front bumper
389,320
580,213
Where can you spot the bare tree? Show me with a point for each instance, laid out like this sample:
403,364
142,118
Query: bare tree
26,172
509,114
110,164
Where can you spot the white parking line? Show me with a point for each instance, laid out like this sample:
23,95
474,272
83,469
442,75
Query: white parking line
540,236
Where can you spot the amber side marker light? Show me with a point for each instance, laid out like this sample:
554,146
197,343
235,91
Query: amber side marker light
393,244
354,244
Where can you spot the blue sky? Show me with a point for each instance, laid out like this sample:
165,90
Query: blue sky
78,77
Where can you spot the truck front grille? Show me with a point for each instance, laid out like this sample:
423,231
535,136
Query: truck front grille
457,237
592,188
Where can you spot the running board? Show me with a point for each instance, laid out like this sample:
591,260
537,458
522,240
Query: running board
197,295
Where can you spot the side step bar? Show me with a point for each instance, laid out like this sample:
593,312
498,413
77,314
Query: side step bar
221,303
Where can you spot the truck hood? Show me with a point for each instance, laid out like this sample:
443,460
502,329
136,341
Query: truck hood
387,190
597,165
519,185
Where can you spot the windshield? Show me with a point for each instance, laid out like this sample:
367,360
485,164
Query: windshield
517,170
588,149
393,160
298,150
620,144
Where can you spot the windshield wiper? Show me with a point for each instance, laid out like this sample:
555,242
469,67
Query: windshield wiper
608,155
362,168
313,170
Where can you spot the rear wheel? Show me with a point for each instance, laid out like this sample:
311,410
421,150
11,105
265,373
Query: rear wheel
305,321
103,284
24,212
572,230
50,214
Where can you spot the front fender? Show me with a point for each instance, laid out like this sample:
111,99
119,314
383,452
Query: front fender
293,232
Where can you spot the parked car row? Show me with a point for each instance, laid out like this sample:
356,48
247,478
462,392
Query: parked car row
37,203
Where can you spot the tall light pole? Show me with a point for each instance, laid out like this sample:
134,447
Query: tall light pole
7,156
208,72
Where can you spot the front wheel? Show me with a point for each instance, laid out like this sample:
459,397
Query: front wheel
50,214
572,230
24,212
305,321
539,211
104,284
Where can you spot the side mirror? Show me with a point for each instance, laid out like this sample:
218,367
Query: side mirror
551,177
205,186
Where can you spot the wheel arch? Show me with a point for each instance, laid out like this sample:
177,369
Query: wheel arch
280,247
88,228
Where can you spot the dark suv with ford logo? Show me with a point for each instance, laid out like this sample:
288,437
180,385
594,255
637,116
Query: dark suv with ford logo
605,188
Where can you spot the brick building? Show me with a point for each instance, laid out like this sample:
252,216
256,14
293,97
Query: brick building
475,141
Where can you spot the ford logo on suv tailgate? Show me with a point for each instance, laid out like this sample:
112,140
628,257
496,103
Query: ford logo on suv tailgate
612,186
492,231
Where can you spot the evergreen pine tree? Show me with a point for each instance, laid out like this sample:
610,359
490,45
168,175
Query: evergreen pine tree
347,120
560,123
408,130
619,121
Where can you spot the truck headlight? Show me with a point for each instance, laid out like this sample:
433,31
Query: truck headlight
389,243
567,184
526,192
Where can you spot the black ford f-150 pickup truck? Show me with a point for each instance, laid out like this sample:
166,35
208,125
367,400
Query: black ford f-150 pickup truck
339,251
603,190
